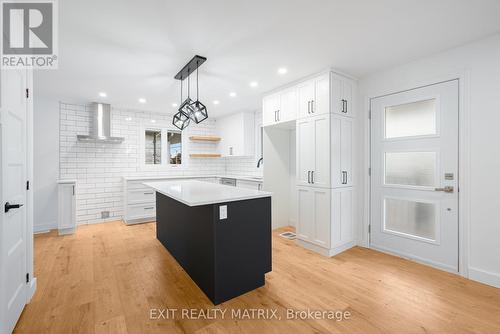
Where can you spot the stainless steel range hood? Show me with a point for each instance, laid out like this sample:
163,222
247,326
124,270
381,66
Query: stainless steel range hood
100,124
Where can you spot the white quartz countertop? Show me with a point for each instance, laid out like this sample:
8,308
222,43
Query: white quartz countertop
194,193
180,177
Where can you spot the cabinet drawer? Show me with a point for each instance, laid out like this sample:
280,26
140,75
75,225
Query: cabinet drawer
141,211
145,195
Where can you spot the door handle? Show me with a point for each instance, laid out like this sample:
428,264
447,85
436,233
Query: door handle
447,189
312,106
9,206
308,176
312,177
308,107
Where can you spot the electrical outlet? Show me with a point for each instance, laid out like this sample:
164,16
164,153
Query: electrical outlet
223,212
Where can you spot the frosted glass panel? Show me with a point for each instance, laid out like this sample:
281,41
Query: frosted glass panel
411,119
409,217
410,168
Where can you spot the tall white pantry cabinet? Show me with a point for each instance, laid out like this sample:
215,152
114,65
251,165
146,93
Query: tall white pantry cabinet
323,111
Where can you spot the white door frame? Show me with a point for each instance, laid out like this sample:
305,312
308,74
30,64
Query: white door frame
463,78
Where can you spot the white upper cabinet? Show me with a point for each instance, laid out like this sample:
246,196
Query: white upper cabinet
342,96
314,97
270,107
324,94
304,151
313,151
237,134
306,96
341,152
288,108
320,174
280,107
321,102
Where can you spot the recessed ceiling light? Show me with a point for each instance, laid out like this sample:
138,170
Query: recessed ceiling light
142,100
232,94
254,84
282,70
153,121
216,102
128,118
174,105
103,94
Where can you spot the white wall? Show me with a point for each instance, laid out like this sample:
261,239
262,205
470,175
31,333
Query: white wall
99,167
481,61
46,161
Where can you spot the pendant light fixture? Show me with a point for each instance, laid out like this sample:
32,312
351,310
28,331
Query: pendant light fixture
181,119
199,111
189,109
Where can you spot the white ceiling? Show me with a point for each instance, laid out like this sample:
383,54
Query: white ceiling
131,49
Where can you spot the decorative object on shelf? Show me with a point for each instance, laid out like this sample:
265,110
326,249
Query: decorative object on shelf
189,109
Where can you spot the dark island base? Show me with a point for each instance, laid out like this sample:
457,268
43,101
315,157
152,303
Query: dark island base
225,258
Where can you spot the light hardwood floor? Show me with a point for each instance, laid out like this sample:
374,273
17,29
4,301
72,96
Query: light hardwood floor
106,278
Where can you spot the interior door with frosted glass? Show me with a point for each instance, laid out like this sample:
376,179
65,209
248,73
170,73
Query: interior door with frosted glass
414,179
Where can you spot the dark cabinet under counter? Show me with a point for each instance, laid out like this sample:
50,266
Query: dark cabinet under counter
225,257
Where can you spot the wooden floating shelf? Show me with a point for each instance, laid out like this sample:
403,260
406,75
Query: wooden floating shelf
205,138
205,155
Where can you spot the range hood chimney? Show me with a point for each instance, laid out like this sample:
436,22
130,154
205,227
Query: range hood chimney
100,124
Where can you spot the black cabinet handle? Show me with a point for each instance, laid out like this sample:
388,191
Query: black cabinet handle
308,107
9,206
278,115
344,177
344,106
312,177
312,106
308,176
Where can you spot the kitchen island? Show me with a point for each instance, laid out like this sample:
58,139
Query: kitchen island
219,234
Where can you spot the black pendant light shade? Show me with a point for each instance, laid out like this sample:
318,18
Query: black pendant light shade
186,106
181,120
189,109
199,112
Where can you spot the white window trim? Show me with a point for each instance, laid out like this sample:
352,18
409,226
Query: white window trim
164,127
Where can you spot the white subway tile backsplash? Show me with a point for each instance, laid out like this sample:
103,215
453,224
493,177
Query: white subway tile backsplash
99,167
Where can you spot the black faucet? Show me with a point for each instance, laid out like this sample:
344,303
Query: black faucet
261,161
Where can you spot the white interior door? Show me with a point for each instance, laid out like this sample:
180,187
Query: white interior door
414,161
13,271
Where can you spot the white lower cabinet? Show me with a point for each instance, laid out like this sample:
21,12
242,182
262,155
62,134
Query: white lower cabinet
139,201
66,217
324,219
255,185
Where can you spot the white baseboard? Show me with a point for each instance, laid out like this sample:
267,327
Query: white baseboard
326,251
485,277
44,227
